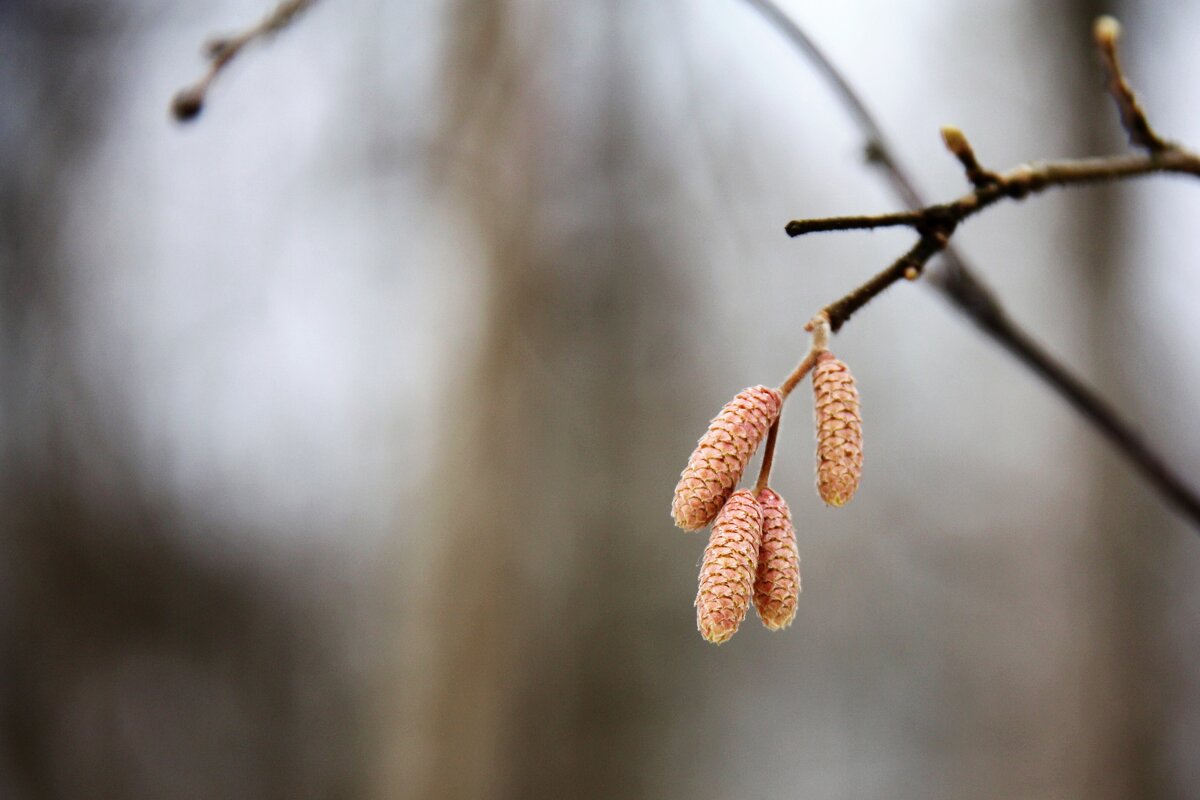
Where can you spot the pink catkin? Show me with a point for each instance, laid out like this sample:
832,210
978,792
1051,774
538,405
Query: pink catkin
729,567
777,586
839,430
721,456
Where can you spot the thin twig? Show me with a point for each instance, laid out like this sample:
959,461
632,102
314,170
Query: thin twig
906,219
957,144
819,327
1016,184
189,101
764,472
1106,32
938,223
958,282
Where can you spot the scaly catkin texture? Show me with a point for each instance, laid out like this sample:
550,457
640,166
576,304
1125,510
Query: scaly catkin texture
729,568
777,588
839,430
721,456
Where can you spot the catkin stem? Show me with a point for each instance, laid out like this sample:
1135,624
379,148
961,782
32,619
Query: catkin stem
819,325
764,472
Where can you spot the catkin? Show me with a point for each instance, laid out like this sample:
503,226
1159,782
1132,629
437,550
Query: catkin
777,587
730,564
839,430
721,456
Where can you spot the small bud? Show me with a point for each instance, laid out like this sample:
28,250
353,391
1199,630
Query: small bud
1107,30
955,141
721,456
729,568
839,430
911,273
777,587
188,104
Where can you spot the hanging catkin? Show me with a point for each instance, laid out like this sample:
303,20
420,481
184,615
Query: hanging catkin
839,430
729,568
777,587
721,456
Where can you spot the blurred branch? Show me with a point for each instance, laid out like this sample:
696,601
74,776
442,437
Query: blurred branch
220,51
1107,30
957,281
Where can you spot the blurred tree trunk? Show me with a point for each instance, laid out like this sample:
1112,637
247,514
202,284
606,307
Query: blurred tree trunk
133,664
1129,602
546,630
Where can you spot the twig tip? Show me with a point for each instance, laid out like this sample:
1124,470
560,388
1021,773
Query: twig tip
1107,30
187,104
954,139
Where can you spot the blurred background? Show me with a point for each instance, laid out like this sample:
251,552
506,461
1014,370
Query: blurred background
338,429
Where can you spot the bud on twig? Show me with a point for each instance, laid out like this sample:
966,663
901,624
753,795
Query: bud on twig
777,587
721,456
187,103
839,430
728,571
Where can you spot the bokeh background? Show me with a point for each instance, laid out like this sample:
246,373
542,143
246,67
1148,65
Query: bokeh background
338,429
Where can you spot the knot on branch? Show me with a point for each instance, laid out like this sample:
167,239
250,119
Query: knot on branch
221,50
938,222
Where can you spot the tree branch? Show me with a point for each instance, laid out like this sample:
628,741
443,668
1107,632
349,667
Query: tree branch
1106,32
819,327
908,219
959,283
937,224
220,51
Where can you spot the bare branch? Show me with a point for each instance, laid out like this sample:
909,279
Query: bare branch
938,223
189,101
1106,32
908,219
960,285
819,327
956,142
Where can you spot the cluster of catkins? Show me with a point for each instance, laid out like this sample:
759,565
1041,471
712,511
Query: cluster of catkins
752,551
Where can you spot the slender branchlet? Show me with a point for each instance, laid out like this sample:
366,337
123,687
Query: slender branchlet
768,459
220,51
818,327
960,284
956,142
899,219
937,224
1107,31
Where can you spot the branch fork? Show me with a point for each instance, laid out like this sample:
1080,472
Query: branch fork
936,225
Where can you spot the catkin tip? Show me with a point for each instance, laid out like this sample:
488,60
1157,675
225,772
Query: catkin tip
777,585
729,568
